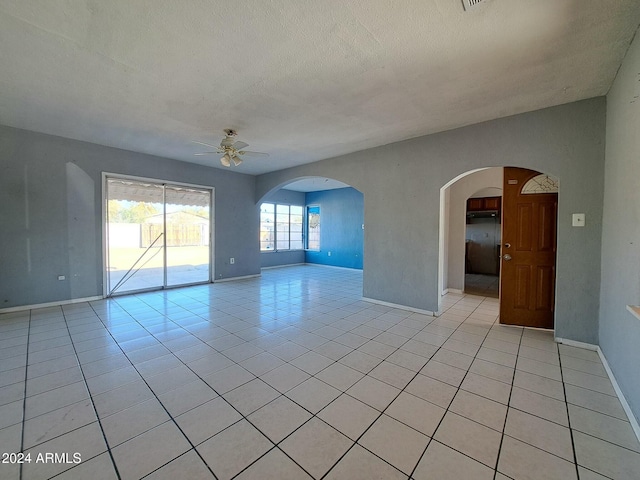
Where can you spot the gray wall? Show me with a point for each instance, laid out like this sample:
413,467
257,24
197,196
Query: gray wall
51,214
619,329
275,259
50,207
401,186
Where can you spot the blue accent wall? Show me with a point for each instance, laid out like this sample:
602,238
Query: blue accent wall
275,259
341,233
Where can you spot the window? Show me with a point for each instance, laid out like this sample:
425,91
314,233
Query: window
280,227
313,227
541,184
295,223
267,223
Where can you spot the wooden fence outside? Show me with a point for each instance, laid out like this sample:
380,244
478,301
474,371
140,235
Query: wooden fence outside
178,235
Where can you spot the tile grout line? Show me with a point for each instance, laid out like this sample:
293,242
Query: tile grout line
24,400
193,447
504,425
253,325
315,415
571,429
572,385
355,442
353,349
394,398
397,348
606,441
84,379
458,388
335,361
244,417
382,412
281,394
566,403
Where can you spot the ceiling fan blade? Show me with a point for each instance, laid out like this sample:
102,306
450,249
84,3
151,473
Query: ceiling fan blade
240,145
204,153
206,144
253,154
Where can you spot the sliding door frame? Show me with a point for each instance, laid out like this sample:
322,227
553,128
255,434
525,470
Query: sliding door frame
105,239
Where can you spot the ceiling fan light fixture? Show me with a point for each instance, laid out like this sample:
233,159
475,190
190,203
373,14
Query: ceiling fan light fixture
230,150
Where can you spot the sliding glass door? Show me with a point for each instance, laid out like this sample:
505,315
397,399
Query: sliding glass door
187,228
135,249
158,235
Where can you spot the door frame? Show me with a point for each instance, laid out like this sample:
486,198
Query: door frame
104,239
444,253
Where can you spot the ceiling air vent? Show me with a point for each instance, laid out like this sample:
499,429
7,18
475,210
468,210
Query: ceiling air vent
469,4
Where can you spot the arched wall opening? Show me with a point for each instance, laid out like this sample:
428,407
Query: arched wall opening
484,182
444,233
453,200
330,230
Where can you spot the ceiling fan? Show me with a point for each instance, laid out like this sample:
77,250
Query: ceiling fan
231,150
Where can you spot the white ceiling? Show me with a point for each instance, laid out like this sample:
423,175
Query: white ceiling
315,184
300,79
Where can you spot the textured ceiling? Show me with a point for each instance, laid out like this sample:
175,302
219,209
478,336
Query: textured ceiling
302,80
315,184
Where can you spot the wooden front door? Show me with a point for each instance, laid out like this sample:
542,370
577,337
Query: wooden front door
528,253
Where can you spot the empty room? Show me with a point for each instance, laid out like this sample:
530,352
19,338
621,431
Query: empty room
319,240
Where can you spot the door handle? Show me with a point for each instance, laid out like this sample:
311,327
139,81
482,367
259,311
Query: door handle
507,245
506,257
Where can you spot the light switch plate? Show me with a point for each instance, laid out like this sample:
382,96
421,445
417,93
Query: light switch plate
578,220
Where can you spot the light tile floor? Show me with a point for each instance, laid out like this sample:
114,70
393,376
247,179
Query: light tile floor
293,376
481,284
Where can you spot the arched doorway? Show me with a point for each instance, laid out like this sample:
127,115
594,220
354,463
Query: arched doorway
329,228
453,202
532,289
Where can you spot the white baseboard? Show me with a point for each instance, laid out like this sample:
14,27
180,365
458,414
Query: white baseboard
400,307
49,304
455,290
332,266
233,279
625,405
283,266
573,343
